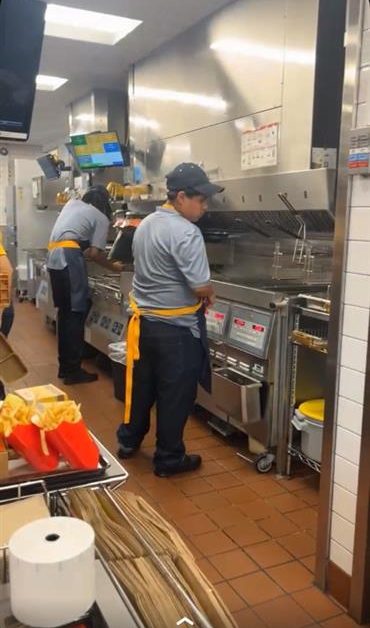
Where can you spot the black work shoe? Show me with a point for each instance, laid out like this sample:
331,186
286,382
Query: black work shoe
190,462
126,452
62,375
81,377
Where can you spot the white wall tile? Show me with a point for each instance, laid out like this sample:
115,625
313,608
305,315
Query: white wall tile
359,225
348,445
346,474
357,290
364,89
358,258
343,532
356,322
354,353
349,415
344,503
365,52
341,557
361,186
352,384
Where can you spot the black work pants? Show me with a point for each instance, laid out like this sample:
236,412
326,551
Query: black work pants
166,374
71,329
7,319
70,324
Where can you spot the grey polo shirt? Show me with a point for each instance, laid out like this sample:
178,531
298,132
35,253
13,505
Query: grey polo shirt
80,222
170,260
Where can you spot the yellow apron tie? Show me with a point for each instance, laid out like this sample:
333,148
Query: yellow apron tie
133,340
63,244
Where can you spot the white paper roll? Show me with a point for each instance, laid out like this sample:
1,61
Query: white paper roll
52,571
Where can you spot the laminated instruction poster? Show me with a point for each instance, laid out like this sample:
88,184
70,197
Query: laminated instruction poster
260,147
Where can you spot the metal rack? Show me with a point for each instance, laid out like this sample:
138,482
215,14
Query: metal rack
309,334
112,600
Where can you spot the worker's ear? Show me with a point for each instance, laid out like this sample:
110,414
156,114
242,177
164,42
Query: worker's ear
181,196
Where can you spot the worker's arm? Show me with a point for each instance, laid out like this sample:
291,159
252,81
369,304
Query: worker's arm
191,258
99,257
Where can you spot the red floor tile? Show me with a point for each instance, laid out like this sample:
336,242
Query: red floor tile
283,613
233,564
256,588
291,576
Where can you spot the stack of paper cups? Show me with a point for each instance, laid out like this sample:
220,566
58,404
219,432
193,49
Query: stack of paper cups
52,571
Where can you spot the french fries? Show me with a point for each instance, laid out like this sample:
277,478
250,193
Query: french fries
13,412
49,416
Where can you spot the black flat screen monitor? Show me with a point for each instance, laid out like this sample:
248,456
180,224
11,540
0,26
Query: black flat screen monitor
48,166
97,150
21,36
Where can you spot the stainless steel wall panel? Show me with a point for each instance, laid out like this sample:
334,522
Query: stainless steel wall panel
298,84
212,73
252,63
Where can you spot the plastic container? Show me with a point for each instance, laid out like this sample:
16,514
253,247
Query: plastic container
309,420
119,379
117,354
26,441
74,443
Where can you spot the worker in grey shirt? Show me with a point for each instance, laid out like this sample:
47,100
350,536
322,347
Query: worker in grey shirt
171,273
79,232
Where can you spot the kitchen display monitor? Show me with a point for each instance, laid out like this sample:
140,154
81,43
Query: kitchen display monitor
216,318
250,330
21,37
97,150
49,167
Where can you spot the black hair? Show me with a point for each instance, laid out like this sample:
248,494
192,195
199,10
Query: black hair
99,198
172,194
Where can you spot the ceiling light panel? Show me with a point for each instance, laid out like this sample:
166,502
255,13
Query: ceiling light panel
49,83
90,26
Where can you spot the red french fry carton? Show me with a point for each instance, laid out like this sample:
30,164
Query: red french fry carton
74,443
26,440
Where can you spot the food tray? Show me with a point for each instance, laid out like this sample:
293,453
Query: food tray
21,473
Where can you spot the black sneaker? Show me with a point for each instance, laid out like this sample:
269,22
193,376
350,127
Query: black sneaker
190,462
81,377
126,452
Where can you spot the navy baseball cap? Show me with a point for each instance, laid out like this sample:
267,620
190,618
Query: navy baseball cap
190,177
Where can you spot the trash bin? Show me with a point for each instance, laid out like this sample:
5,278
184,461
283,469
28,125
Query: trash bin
117,355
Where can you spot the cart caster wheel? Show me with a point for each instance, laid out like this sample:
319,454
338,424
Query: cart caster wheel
264,463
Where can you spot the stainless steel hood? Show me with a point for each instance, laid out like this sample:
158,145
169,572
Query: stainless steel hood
309,190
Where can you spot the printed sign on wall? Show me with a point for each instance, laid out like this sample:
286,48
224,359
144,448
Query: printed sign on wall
260,147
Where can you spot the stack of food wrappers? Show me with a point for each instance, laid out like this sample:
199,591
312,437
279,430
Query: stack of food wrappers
41,430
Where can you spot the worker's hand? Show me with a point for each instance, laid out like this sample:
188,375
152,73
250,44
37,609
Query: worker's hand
87,253
118,267
208,301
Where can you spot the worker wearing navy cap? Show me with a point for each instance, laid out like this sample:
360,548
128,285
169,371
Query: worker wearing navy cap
171,286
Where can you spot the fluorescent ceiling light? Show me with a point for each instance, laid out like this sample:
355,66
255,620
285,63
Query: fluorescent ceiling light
251,50
183,98
49,83
91,26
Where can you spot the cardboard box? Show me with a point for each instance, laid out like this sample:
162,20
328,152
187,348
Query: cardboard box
11,366
41,394
15,515
3,460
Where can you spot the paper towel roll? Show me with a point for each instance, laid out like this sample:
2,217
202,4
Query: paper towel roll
52,571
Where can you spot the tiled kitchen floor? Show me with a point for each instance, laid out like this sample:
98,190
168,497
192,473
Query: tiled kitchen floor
252,535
